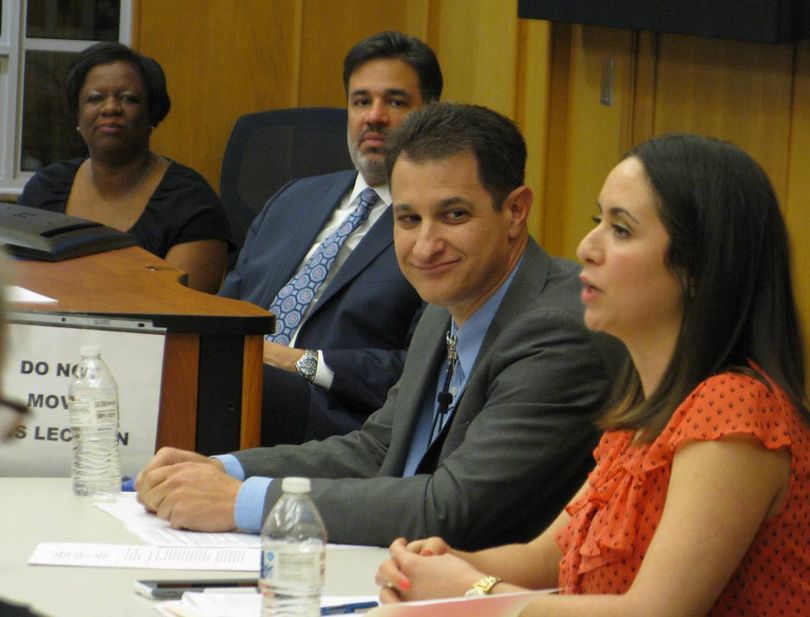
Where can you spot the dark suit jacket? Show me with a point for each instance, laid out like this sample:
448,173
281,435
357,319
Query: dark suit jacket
515,451
362,321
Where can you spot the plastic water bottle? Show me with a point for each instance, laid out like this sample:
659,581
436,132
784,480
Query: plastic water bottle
93,405
293,554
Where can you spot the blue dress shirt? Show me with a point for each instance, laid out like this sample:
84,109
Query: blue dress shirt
470,337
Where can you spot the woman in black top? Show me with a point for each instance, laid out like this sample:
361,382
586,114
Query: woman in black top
118,97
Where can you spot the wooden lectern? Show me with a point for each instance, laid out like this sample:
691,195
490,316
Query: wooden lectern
211,390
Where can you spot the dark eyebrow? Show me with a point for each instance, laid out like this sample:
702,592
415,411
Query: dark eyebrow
456,200
399,208
617,211
444,204
388,92
622,211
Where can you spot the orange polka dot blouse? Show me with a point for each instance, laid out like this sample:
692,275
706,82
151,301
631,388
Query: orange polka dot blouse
612,524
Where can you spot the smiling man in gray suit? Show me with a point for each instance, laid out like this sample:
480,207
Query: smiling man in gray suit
489,430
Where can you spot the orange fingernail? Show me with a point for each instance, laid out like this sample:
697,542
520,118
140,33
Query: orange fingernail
427,552
404,584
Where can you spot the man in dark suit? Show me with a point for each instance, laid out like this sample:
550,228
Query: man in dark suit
489,431
334,357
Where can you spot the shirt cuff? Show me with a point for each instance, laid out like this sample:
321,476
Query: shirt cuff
250,503
323,374
232,465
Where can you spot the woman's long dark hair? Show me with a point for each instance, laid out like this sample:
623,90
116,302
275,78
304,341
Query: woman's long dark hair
729,244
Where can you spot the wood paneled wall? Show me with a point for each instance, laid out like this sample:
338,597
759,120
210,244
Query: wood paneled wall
224,58
330,28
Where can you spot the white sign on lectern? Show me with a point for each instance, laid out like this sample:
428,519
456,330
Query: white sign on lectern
37,369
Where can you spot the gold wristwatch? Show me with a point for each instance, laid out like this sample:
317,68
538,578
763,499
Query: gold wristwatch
483,587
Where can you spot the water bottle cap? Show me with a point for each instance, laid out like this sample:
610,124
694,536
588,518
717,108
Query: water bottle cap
295,485
89,350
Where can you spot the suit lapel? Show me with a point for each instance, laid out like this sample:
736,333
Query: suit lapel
532,272
427,360
376,240
302,229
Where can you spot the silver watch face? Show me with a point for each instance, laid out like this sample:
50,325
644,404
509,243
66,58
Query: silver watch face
307,365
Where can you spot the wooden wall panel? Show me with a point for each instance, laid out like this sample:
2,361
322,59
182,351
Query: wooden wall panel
330,28
735,90
586,136
222,58
555,174
532,111
477,44
644,78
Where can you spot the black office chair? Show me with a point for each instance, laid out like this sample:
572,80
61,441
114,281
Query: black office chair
269,148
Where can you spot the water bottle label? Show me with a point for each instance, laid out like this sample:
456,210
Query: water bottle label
292,567
88,411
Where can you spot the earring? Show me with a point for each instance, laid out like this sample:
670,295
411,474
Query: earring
78,129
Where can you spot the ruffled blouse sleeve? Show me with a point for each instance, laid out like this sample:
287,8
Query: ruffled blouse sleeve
726,404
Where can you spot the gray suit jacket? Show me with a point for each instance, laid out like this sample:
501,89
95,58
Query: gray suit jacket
517,448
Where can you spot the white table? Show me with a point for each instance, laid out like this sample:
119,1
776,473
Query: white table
45,510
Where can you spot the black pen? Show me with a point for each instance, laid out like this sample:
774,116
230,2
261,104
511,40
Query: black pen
173,589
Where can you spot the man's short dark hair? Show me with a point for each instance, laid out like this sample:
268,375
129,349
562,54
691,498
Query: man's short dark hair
152,77
440,130
396,45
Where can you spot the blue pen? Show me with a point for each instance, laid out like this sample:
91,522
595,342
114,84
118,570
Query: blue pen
127,484
345,609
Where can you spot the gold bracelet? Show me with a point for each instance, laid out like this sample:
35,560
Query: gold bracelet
483,587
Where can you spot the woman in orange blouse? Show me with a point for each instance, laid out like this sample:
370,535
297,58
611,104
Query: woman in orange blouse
700,500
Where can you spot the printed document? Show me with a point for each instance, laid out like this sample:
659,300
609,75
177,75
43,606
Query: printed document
156,557
154,531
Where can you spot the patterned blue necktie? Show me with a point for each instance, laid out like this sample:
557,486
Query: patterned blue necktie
291,303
